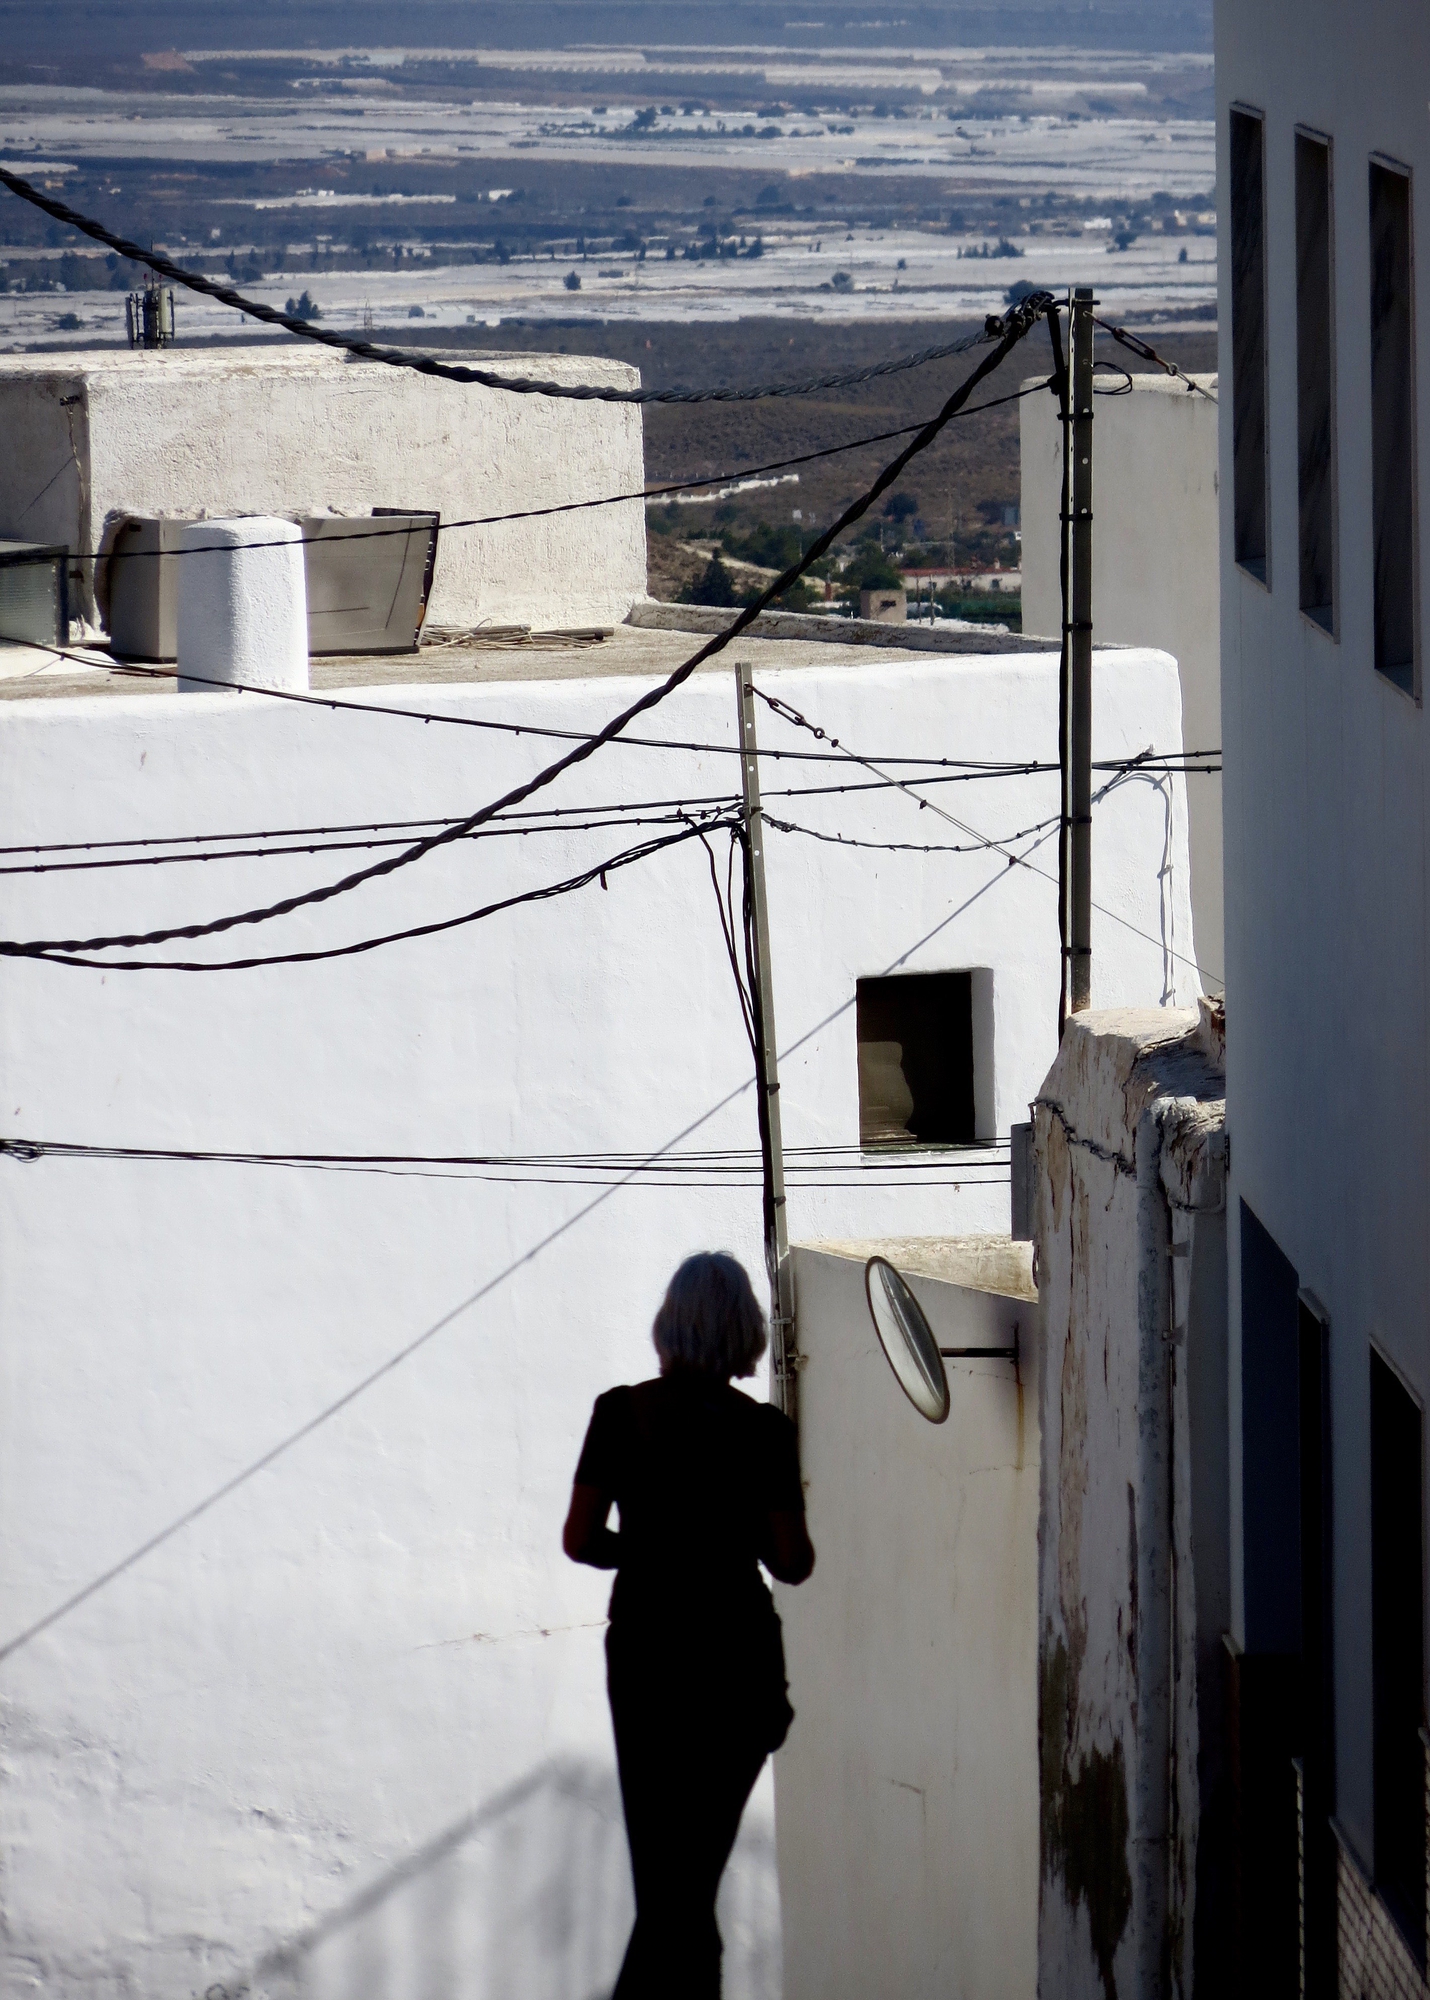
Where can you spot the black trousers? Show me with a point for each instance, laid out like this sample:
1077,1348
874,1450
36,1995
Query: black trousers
686,1773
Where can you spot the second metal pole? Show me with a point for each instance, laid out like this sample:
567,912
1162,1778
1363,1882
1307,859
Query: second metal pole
783,1364
1080,650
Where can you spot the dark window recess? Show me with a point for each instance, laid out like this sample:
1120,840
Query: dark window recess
1269,1730
1270,1428
1318,1722
1248,339
1315,381
916,1059
1392,402
1397,1592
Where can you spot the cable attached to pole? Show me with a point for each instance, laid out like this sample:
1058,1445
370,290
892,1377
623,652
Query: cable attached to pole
1060,390
1140,347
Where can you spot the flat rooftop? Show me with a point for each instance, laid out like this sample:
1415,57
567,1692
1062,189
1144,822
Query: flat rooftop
499,654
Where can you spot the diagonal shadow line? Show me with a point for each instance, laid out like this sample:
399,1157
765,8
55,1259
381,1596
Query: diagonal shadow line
374,1376
565,1776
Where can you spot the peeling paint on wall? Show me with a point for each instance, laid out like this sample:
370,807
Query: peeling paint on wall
1127,1138
1085,1822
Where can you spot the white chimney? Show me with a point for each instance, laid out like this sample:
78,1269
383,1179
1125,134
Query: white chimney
242,605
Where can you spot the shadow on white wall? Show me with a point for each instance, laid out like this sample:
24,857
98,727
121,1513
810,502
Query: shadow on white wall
529,1894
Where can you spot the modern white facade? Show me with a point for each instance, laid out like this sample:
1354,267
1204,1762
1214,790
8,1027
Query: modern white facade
346,1732
1324,150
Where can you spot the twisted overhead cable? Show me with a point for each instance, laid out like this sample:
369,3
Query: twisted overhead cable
1020,319
486,378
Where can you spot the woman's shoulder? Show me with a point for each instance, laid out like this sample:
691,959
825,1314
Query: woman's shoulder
763,1419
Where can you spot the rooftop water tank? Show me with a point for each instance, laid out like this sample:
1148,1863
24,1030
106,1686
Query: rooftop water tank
242,605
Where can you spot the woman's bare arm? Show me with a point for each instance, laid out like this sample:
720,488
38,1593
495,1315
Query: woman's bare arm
586,1538
788,1553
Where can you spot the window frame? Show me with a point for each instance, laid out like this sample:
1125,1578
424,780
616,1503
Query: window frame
1256,566
1385,163
976,999
1307,136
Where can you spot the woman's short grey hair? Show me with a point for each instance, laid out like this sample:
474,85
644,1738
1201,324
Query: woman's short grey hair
709,1318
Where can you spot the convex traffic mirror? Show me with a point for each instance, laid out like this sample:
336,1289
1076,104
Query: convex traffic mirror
908,1343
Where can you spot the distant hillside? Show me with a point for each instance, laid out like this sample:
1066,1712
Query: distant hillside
100,30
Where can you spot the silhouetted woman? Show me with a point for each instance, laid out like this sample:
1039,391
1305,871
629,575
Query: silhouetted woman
707,1483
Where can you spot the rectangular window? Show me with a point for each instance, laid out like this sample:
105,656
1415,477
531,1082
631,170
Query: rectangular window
1315,381
1392,403
925,1058
1248,339
1397,1592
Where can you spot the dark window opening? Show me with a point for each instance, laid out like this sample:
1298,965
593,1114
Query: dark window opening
1397,1592
1269,1728
1248,339
1318,1721
1392,402
1270,1453
916,1059
1315,381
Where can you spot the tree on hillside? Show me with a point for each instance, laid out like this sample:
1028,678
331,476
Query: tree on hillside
716,586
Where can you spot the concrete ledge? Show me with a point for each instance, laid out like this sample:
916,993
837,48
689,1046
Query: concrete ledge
976,1263
838,631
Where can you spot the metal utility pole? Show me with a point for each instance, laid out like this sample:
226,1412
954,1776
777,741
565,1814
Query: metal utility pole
783,1365
1080,656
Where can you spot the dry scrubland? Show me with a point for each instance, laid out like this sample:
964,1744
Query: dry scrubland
962,483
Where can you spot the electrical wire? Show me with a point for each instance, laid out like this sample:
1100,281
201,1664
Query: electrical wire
366,350
340,706
1140,347
495,831
596,872
909,846
1133,765
307,840
1020,320
438,527
738,1168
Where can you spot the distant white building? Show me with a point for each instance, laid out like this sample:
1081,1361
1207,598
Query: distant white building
1154,562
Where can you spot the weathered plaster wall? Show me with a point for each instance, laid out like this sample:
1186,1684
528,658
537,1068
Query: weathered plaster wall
1130,1235
355,1716
260,432
1154,572
1328,808
907,1796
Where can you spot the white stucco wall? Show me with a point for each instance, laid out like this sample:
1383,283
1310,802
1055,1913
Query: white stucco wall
1154,571
907,1793
1328,808
355,1715
283,432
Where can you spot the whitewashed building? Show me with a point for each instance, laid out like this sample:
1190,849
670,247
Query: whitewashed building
336,1721
1307,1766
1324,321
1154,571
